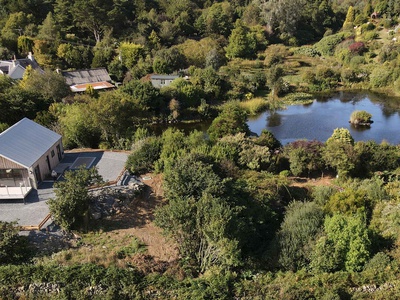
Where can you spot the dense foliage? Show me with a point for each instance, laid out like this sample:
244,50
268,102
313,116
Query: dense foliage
245,225
70,207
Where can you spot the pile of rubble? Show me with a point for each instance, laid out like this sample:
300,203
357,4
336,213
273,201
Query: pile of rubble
111,200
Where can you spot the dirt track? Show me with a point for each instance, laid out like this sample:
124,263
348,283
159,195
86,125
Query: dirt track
139,221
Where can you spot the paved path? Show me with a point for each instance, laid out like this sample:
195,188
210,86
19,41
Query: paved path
33,211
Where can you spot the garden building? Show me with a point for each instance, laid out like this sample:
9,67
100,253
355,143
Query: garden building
28,154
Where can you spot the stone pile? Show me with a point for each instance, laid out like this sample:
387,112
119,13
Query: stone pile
111,200
371,288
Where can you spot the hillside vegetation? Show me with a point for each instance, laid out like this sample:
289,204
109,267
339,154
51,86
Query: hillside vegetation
242,217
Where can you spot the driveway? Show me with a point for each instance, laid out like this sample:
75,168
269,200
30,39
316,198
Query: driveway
34,210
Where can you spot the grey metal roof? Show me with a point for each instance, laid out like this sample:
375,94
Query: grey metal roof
86,76
163,77
26,141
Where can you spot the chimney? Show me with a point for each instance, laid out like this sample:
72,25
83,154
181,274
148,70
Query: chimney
30,56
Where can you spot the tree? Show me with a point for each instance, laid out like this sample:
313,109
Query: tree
73,56
303,221
339,152
25,45
196,52
13,27
242,42
145,153
144,95
17,103
114,115
305,157
173,145
216,20
345,245
70,207
209,81
267,139
13,247
93,16
104,51
195,217
166,61
230,121
360,117
130,54
78,127
49,30
349,22
53,87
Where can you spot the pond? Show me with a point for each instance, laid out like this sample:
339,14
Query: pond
317,121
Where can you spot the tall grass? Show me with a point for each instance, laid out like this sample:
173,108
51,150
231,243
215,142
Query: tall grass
255,105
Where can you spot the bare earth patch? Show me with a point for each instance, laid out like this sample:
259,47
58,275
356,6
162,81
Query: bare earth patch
138,221
310,182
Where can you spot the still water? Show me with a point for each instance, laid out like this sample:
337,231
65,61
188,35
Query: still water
317,121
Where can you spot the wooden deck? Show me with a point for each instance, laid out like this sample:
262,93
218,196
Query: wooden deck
14,192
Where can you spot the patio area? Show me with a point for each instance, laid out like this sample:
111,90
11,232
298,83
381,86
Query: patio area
33,210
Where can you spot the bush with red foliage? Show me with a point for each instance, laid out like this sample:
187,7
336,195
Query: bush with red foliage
357,47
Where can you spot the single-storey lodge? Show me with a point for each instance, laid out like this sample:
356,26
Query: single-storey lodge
28,154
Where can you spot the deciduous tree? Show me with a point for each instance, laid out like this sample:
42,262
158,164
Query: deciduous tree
70,207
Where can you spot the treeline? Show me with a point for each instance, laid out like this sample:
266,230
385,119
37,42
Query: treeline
134,38
237,50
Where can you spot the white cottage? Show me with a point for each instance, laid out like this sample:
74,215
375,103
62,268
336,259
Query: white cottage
28,154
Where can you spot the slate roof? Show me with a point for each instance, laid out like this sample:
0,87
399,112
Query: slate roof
86,76
26,141
16,68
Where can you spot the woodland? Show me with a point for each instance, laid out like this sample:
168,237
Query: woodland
244,212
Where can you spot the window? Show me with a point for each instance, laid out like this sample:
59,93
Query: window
162,81
52,153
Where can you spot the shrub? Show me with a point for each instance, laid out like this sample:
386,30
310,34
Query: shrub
367,27
357,47
254,106
360,116
299,229
356,61
326,46
370,35
145,153
348,75
380,77
307,51
275,54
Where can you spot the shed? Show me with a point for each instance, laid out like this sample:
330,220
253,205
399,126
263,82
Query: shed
159,80
28,154
79,80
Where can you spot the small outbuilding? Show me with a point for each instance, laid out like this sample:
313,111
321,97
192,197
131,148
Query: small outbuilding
159,80
29,153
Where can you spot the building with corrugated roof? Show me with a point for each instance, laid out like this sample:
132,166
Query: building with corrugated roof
79,80
28,154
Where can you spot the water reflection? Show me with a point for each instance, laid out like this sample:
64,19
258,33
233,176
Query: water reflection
319,119
274,119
